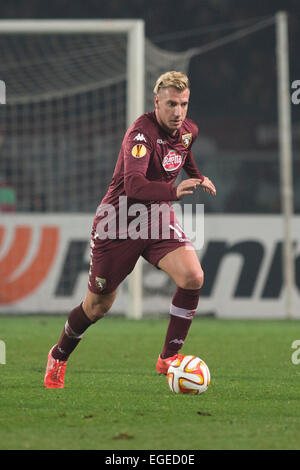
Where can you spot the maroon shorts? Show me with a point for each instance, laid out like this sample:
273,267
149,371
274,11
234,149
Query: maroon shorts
113,260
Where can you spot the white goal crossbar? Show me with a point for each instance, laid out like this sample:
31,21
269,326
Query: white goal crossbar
135,30
135,106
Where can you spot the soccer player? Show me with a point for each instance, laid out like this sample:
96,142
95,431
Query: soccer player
154,150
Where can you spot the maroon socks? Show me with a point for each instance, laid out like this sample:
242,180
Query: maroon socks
182,311
72,333
183,307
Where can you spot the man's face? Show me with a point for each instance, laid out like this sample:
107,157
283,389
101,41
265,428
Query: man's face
171,107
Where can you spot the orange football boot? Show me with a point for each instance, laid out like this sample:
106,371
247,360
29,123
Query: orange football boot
55,372
163,365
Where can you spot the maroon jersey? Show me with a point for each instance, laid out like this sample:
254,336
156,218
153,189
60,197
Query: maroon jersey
147,167
149,162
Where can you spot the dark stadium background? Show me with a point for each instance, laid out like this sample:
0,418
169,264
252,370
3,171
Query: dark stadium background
229,116
113,398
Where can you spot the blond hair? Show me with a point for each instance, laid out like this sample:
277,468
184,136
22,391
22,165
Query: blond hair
174,79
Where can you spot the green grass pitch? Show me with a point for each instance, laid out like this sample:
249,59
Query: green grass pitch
114,399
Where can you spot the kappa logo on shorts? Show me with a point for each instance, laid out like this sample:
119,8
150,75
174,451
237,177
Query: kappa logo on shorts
186,140
139,151
101,283
172,160
14,287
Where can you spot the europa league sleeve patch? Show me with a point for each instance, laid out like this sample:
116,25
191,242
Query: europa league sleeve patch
138,151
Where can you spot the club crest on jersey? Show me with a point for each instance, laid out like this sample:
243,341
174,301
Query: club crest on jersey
138,151
186,140
101,282
172,160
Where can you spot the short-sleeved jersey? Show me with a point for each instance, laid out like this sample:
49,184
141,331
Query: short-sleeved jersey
149,162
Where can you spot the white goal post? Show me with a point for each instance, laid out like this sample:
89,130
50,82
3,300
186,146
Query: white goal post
46,82
135,30
135,48
285,157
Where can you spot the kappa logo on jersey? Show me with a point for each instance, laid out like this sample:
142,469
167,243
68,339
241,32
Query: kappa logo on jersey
172,160
139,151
15,283
186,140
140,138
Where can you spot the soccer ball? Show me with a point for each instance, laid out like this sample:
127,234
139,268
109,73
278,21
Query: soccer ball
188,374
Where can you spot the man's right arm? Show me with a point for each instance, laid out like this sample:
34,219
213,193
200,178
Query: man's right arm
137,155
137,186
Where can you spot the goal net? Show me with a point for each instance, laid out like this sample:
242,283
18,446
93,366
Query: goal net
72,89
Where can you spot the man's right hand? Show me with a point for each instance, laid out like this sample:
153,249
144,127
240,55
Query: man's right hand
187,187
